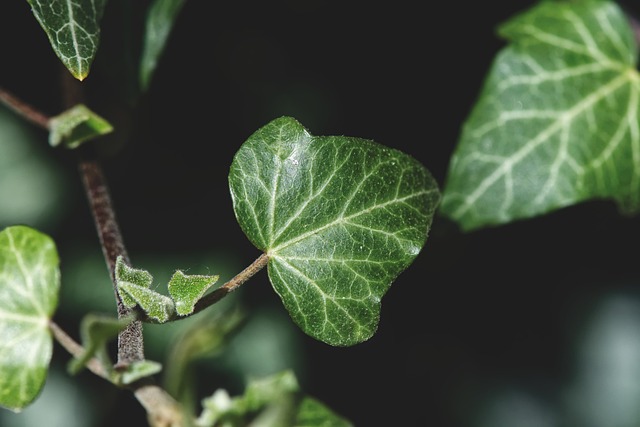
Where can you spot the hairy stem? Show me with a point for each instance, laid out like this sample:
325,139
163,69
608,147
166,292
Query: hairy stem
130,340
232,284
162,409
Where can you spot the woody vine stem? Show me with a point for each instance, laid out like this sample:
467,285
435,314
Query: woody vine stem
162,409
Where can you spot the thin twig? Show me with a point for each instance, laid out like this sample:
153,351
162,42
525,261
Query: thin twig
232,284
76,350
24,110
130,341
162,409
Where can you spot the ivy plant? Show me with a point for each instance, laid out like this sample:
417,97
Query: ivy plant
337,219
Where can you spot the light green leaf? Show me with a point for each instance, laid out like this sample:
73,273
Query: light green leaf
160,20
272,401
138,370
186,290
313,413
95,332
73,29
132,276
76,126
339,218
29,286
157,306
557,122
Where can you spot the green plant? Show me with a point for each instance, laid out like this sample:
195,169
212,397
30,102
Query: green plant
337,219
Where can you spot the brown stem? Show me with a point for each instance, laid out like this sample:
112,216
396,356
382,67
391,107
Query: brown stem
130,340
26,111
162,409
232,284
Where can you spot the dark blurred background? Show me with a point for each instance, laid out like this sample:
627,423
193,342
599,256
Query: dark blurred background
536,323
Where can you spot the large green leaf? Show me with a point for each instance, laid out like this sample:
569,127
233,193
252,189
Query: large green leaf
29,285
557,121
339,218
73,29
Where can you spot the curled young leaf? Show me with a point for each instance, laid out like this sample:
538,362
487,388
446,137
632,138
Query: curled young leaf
134,289
132,276
75,126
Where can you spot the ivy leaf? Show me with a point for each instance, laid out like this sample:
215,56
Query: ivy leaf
133,276
160,19
133,286
139,369
557,121
29,286
76,126
186,290
156,305
339,218
312,412
73,29
272,401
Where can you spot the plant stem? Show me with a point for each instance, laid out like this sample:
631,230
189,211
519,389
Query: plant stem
162,409
130,340
24,110
232,284
76,350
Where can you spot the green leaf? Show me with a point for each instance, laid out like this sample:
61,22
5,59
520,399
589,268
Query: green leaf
157,306
312,412
160,20
133,286
73,29
138,370
273,401
557,122
95,332
339,218
76,126
132,276
186,290
29,286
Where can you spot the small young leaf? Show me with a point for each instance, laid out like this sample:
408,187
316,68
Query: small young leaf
160,19
126,274
312,412
186,290
75,126
29,286
273,401
95,332
139,369
157,306
73,29
340,218
557,120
